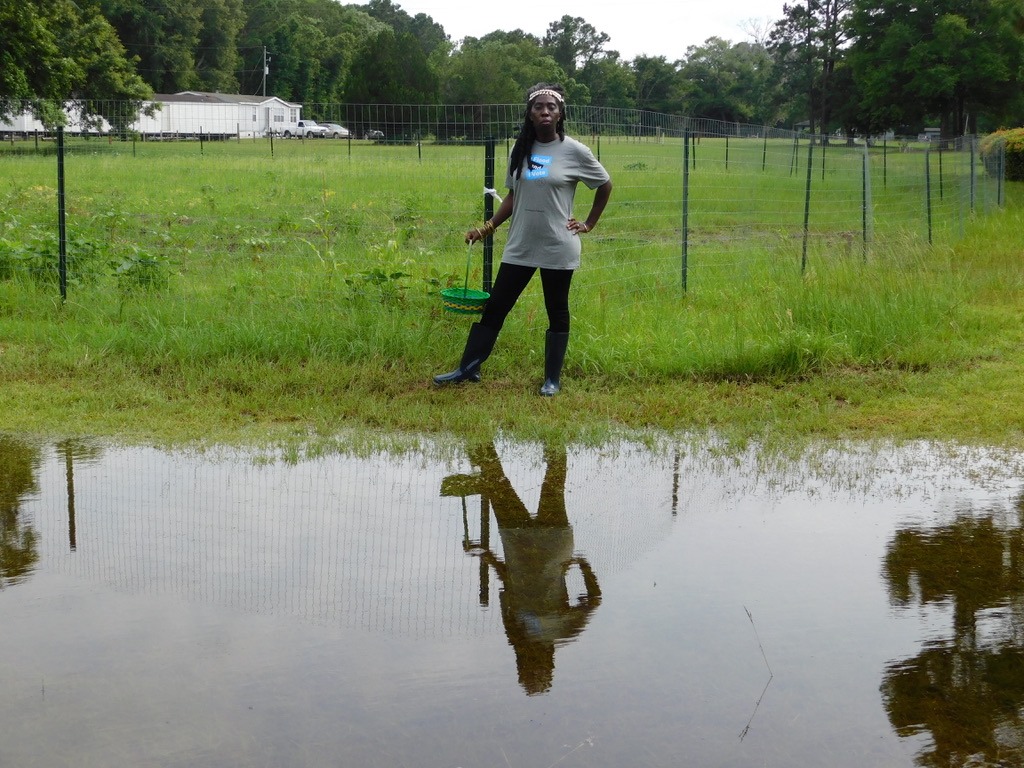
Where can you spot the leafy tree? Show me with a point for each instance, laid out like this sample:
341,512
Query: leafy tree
573,43
55,50
846,113
757,80
217,58
576,92
730,82
496,69
298,44
611,82
181,44
515,36
807,44
391,69
657,84
102,80
312,44
163,36
429,34
31,64
948,59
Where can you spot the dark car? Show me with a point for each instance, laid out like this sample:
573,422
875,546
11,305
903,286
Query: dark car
374,135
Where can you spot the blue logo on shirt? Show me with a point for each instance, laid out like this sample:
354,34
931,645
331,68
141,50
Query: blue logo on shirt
542,172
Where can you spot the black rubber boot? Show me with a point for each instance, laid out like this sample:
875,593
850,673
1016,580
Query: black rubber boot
554,356
478,348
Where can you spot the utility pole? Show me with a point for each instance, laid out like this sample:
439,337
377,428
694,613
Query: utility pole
266,69
811,5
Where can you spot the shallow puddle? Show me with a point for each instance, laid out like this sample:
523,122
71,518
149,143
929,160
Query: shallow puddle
510,605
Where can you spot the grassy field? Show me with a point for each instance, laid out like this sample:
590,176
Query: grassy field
221,293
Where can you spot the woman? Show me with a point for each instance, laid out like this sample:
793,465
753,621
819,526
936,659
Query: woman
543,172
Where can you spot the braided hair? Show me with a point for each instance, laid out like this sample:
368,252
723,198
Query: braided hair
528,134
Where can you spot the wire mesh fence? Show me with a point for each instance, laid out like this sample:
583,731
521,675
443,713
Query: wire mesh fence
696,202
380,543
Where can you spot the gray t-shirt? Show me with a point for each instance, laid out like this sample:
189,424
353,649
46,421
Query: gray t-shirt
542,204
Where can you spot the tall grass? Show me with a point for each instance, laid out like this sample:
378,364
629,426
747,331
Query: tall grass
311,277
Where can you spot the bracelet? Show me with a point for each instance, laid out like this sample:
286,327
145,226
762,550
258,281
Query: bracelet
488,228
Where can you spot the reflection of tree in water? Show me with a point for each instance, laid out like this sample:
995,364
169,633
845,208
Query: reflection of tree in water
966,691
18,539
536,608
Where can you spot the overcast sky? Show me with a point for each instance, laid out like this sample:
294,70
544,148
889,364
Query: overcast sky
636,27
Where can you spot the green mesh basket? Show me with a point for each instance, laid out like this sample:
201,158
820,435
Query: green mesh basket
464,301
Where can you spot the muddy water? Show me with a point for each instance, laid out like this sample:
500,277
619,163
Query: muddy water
510,605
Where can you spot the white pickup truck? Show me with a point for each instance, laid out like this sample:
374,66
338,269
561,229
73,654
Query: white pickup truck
308,129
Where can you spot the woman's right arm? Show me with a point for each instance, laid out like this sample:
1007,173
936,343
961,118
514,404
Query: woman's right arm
499,218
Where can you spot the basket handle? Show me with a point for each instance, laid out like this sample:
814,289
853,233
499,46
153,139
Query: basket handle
469,257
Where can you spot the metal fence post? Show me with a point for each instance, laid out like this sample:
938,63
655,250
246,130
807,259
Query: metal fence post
686,205
865,198
928,190
62,258
974,173
1001,177
807,203
885,163
941,190
488,210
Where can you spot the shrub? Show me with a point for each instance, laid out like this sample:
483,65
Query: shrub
33,252
1012,142
139,270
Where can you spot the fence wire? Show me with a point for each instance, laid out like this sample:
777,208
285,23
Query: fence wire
696,202
376,543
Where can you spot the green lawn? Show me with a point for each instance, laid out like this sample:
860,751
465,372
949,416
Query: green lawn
221,292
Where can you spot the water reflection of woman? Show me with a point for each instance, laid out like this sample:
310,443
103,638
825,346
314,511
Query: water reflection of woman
536,608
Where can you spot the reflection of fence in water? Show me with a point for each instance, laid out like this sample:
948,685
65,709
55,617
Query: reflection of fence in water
366,543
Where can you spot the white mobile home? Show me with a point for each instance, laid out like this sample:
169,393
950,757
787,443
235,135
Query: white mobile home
26,123
188,114
23,122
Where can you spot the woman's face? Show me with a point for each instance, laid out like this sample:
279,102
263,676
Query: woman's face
545,112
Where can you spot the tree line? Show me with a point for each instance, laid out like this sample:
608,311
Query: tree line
856,66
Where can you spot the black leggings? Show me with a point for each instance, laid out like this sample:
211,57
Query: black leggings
509,285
